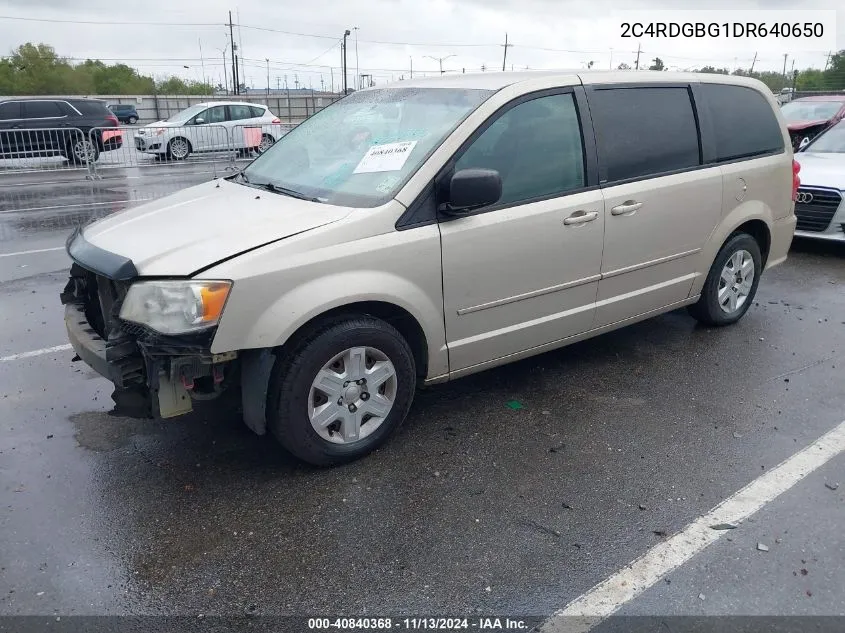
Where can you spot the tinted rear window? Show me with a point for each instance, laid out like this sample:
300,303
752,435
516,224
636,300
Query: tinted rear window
91,108
256,111
41,110
743,121
644,131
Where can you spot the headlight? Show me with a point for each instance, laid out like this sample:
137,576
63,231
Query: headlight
175,307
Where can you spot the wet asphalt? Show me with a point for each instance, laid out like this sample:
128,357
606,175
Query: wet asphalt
472,507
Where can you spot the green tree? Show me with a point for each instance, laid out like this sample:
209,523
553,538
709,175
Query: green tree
657,64
714,70
623,66
176,86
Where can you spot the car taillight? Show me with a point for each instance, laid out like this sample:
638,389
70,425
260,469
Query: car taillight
796,181
112,119
276,120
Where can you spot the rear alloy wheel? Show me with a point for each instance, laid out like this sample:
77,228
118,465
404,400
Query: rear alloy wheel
342,391
266,143
82,151
178,148
731,283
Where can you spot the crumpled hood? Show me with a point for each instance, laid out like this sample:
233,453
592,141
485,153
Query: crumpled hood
822,169
199,226
795,126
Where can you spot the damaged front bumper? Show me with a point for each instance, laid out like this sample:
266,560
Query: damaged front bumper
154,375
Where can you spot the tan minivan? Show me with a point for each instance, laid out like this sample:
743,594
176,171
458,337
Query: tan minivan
431,229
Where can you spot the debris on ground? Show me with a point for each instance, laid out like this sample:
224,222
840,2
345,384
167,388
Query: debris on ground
831,486
737,435
251,609
660,533
762,547
540,527
566,506
557,449
701,596
724,526
642,506
515,405
804,572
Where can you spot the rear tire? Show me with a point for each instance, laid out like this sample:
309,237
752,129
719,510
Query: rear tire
321,417
267,142
133,120
729,291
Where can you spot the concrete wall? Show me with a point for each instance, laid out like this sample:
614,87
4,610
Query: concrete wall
299,107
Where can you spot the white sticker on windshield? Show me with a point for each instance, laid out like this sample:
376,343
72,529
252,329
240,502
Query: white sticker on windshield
387,157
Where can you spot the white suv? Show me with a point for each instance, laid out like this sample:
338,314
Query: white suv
211,127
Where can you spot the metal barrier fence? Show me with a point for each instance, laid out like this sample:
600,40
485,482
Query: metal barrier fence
46,149
99,153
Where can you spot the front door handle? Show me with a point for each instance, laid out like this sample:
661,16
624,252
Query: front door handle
626,208
580,217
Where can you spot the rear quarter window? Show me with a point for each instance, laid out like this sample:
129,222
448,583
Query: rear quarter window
744,124
256,111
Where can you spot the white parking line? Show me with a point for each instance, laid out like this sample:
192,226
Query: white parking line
36,352
36,250
608,596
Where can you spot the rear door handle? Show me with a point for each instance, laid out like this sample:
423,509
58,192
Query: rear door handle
581,217
626,208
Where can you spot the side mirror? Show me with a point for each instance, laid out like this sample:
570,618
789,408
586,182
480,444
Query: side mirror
199,121
472,189
804,142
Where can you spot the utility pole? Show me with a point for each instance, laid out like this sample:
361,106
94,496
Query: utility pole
610,66
754,61
278,83
331,70
296,81
412,66
202,62
235,56
827,61
505,57
242,72
225,73
322,84
637,63
267,59
785,55
346,34
440,61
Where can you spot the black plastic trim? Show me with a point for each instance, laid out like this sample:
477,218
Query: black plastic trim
98,260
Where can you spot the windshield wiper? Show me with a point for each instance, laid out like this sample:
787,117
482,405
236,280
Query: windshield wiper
269,186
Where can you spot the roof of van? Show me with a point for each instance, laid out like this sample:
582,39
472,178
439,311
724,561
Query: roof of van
498,80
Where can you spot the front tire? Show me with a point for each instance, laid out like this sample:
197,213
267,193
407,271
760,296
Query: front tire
731,283
342,390
178,148
81,151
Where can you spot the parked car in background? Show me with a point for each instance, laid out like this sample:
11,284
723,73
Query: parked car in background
819,205
463,223
125,112
807,116
210,127
52,127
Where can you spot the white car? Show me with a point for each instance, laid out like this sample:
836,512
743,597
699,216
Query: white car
211,127
819,202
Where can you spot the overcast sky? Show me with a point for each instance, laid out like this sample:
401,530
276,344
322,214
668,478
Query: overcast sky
471,30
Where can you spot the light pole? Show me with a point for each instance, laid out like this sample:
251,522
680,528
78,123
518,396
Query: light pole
440,61
267,59
357,67
225,79
346,34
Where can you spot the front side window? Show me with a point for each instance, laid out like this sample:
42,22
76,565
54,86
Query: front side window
10,110
186,114
536,148
643,132
360,150
217,114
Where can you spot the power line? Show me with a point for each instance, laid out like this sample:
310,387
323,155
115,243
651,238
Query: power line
105,23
